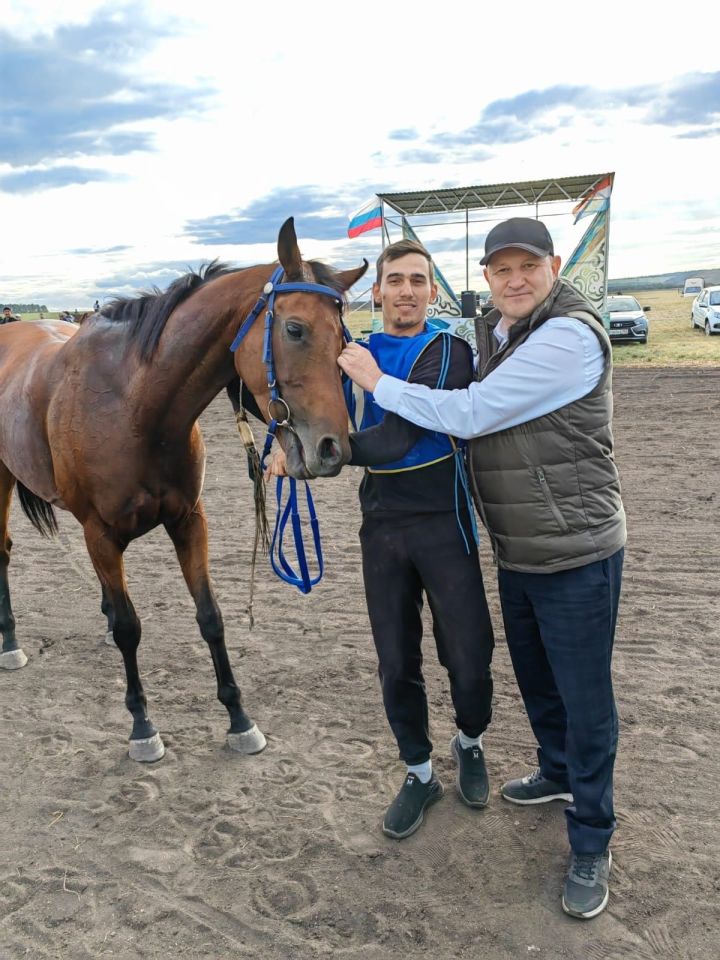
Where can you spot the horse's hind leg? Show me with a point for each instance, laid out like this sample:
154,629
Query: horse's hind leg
106,555
11,657
190,540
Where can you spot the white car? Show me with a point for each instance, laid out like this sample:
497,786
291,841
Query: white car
706,311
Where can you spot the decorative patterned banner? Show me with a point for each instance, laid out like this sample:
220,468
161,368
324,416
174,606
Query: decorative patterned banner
595,200
445,311
587,267
445,304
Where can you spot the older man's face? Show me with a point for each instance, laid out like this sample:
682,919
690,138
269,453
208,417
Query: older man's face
519,281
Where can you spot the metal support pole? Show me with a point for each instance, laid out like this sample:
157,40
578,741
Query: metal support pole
467,250
607,258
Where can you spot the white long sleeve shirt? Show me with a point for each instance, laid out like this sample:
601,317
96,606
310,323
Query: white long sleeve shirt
559,362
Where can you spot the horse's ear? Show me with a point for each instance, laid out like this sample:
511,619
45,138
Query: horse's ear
289,252
347,278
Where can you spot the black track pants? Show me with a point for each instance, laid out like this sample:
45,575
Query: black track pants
401,558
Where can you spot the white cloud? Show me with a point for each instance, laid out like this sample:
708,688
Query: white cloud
310,94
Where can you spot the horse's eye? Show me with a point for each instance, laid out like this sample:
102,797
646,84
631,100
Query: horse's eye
294,330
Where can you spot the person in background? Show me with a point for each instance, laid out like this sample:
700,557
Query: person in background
547,488
8,316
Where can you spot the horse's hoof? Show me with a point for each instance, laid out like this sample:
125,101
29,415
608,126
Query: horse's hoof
251,741
147,751
110,639
12,659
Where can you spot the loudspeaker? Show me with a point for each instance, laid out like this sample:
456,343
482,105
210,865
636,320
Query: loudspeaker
469,303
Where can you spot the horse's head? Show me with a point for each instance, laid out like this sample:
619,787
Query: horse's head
307,337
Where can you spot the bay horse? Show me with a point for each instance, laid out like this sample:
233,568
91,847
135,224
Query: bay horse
101,420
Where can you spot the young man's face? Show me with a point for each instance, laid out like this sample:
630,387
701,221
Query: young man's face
404,293
6,312
519,281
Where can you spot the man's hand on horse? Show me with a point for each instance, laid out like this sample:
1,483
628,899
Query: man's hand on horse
359,364
276,465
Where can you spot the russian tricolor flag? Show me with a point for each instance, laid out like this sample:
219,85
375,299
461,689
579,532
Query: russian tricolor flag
597,199
368,217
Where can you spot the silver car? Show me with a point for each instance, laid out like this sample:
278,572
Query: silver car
706,311
627,320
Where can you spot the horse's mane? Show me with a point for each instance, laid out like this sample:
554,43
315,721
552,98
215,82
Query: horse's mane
326,275
148,312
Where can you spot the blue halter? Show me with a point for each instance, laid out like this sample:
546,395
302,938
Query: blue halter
279,415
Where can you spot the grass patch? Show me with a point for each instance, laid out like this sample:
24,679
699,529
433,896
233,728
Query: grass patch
671,341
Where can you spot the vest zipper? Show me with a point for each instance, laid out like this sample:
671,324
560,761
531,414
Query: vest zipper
547,493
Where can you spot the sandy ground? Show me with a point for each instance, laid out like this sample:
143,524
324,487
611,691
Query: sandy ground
209,854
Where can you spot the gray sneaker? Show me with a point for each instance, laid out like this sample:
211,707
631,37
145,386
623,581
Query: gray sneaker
472,779
405,814
586,890
534,789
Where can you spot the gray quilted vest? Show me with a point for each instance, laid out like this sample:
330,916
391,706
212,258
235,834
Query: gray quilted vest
548,490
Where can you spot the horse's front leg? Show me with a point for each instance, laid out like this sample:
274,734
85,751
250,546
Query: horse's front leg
11,656
191,544
106,554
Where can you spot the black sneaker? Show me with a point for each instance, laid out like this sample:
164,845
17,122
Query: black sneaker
405,813
472,779
586,891
534,789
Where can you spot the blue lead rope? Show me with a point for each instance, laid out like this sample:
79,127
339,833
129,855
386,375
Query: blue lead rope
278,559
461,480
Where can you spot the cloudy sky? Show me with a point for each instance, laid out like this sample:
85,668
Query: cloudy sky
142,138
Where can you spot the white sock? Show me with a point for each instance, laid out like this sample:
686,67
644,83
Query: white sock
466,741
423,771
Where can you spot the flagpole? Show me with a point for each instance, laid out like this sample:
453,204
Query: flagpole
467,250
384,230
607,260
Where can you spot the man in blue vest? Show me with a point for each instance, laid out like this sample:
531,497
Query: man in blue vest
547,488
418,535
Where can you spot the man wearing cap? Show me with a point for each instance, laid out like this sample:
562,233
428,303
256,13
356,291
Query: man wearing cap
547,489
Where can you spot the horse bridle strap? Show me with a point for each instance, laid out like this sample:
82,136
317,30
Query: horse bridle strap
301,579
267,297
280,417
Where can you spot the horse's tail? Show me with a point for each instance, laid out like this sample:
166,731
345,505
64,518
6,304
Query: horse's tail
39,512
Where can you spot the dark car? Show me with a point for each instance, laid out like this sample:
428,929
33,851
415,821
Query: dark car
627,320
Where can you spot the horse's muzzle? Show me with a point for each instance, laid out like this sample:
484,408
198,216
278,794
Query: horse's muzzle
325,458
329,455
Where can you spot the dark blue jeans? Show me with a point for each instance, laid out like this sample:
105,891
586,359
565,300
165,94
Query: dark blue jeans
560,629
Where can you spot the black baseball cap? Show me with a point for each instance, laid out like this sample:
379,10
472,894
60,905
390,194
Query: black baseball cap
523,232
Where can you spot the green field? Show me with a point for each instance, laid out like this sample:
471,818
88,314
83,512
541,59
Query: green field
50,315
671,341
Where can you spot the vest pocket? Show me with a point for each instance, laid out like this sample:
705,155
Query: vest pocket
550,500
